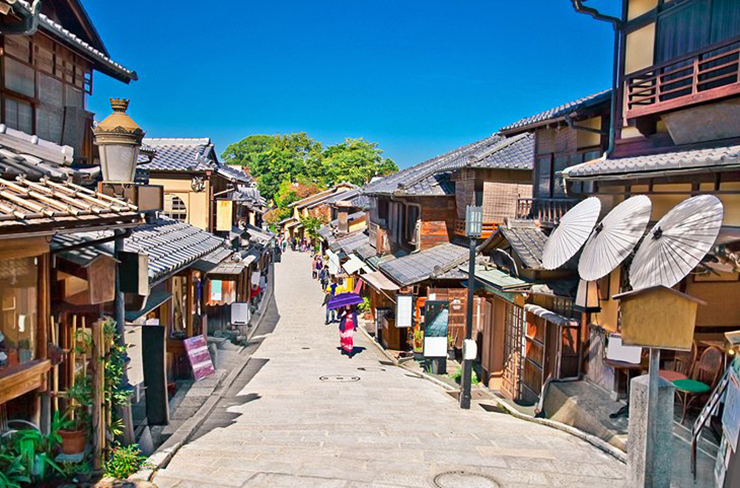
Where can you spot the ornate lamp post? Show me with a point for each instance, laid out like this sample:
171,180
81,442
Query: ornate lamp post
119,139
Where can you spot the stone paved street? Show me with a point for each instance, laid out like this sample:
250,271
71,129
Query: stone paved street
282,426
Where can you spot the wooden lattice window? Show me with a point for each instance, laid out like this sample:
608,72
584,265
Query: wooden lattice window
174,208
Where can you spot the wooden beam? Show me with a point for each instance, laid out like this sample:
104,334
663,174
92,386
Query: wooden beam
23,379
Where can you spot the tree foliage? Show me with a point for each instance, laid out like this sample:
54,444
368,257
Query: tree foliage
277,160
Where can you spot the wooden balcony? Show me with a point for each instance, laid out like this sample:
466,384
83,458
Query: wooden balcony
705,75
488,228
548,211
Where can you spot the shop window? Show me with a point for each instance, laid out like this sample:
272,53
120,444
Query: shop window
18,311
180,305
18,115
175,208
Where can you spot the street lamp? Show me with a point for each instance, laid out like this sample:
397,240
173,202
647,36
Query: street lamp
473,230
119,139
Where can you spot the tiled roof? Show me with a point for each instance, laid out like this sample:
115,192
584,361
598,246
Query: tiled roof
527,241
233,174
180,155
361,201
322,196
366,251
418,267
352,241
102,61
170,245
432,177
32,157
27,206
258,235
420,174
515,152
673,162
559,111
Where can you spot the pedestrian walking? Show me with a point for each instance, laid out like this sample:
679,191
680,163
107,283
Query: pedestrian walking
324,277
347,328
285,245
314,273
331,290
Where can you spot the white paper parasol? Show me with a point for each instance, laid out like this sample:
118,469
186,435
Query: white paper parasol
569,236
677,243
614,238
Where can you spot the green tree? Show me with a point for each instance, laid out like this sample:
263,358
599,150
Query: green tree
355,161
248,151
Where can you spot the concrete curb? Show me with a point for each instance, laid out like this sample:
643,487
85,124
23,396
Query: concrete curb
164,454
591,439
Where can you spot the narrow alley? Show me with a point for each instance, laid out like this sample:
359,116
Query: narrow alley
303,415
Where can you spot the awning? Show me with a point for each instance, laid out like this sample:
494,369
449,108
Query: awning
550,316
228,269
154,300
353,265
379,281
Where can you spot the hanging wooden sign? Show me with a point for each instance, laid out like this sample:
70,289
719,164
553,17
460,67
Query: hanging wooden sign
224,214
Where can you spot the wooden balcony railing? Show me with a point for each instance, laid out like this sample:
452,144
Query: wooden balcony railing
548,211
709,74
488,228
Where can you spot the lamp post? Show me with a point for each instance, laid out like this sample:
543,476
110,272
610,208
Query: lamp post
473,230
119,138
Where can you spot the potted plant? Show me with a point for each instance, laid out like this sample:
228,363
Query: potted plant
418,344
364,307
451,340
77,417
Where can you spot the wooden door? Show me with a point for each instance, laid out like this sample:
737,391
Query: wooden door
513,350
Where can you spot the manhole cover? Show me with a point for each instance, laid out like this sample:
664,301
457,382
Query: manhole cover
463,479
370,368
338,378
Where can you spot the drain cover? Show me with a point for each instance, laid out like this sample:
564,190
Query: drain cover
370,368
338,378
463,479
305,348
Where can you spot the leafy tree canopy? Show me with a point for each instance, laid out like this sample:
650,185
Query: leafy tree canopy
277,160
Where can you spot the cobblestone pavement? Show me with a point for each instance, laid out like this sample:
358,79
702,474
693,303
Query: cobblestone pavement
282,426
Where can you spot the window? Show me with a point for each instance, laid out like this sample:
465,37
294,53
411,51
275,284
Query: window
175,208
19,115
18,310
684,27
412,221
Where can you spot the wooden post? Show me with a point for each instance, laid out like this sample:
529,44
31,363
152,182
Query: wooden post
55,370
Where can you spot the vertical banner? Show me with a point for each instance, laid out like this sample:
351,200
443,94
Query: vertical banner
404,311
200,358
224,214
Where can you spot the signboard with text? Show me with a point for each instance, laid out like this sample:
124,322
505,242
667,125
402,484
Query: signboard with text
200,358
436,328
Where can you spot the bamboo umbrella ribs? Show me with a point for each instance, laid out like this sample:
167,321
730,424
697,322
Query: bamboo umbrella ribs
677,243
571,234
614,238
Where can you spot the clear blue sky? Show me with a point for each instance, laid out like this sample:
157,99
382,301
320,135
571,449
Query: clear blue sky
418,77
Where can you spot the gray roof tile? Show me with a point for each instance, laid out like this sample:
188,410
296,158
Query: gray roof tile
559,111
170,245
180,155
675,162
527,241
414,268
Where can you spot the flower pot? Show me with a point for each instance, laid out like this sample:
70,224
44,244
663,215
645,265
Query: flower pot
73,441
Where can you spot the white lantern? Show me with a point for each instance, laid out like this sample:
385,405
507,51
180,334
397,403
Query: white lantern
119,140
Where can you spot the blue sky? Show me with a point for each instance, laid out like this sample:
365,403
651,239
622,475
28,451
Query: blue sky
418,77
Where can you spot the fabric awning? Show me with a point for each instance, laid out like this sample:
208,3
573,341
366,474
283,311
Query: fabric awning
154,300
379,281
353,265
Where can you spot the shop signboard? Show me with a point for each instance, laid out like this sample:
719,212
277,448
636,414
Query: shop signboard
436,328
200,358
404,311
731,414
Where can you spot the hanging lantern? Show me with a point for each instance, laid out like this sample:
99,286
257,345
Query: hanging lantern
119,140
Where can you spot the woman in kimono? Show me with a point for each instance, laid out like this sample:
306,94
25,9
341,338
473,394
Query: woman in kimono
347,328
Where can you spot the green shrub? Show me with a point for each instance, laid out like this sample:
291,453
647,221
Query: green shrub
458,377
124,461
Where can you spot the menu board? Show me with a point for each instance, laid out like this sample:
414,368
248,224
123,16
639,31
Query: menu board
436,328
200,358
